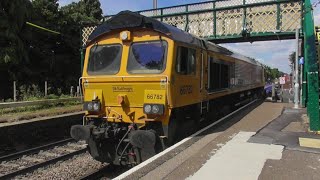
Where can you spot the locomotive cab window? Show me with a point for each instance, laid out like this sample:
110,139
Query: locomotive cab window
104,59
147,57
219,74
186,61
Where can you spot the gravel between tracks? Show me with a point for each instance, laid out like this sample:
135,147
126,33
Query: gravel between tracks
74,168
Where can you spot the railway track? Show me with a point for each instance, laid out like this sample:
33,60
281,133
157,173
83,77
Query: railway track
29,160
40,163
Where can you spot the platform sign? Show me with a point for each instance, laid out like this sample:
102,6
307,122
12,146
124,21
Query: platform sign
282,80
287,77
301,60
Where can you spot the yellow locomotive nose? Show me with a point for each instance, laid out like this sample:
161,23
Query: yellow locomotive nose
123,100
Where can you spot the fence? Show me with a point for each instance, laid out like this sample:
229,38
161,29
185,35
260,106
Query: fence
39,92
37,102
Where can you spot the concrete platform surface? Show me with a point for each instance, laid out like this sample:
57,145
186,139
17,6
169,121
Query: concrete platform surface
245,159
294,165
258,143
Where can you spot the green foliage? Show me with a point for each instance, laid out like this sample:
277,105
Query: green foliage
33,92
292,58
31,55
13,15
9,100
271,73
52,96
64,96
6,111
29,93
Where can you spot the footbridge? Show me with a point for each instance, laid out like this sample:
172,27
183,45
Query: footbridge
229,21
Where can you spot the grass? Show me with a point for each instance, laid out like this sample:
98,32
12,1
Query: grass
30,112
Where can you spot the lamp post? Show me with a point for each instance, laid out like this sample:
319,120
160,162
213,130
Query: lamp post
155,4
301,62
296,73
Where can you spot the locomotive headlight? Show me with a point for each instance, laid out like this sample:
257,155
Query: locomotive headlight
155,109
96,106
147,108
90,106
93,106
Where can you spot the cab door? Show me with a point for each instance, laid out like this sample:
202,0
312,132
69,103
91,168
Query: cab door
204,106
187,76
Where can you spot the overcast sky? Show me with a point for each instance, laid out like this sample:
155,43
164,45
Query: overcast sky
272,53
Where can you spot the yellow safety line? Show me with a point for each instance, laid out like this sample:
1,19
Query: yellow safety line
39,27
309,142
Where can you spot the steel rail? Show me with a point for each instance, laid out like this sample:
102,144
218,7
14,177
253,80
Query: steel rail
34,150
42,164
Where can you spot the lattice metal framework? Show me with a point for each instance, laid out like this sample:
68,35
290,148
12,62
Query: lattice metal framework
86,31
229,18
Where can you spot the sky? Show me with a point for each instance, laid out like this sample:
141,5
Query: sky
272,53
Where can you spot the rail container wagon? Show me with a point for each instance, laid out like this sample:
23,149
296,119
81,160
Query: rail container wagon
145,83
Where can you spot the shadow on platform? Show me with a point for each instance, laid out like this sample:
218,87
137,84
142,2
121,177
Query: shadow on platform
286,130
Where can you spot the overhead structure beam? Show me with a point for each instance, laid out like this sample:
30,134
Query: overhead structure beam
224,21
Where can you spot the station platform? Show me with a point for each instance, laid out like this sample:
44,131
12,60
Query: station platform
263,141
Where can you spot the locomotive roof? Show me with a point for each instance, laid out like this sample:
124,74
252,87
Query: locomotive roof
128,19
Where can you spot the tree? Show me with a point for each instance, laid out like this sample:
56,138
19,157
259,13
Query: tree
32,55
73,17
13,49
271,73
13,15
56,54
45,12
292,59
92,8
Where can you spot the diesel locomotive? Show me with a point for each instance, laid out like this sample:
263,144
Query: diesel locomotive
145,83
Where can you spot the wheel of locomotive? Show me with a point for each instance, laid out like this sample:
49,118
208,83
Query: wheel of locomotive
101,151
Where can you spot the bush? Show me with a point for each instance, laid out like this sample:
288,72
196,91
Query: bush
51,96
34,92
9,100
29,93
65,96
